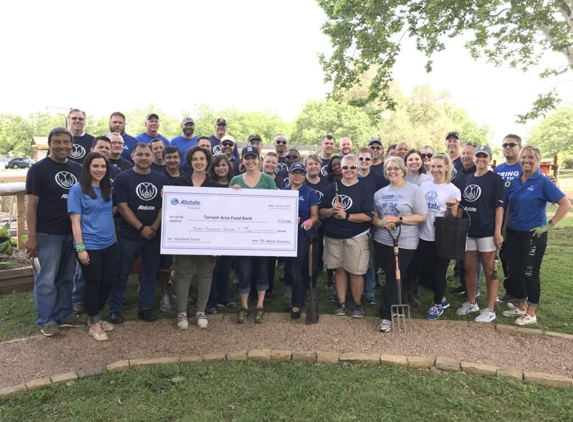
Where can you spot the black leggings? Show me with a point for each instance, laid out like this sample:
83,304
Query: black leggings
99,275
432,269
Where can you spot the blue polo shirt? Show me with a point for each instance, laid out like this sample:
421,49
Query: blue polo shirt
144,137
128,143
184,145
307,198
528,202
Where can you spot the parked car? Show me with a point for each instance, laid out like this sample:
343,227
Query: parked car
19,162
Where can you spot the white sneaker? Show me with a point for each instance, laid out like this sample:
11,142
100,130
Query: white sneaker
385,326
164,304
467,308
487,315
526,320
201,320
513,312
182,322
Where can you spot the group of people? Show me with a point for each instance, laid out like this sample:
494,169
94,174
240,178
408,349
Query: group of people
94,207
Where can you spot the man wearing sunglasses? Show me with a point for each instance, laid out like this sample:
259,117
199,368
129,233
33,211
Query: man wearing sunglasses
377,150
82,140
227,147
187,139
292,156
453,141
281,143
220,131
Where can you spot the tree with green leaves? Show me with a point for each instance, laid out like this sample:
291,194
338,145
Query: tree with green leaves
553,134
367,35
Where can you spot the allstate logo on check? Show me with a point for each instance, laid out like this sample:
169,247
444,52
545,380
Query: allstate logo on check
174,201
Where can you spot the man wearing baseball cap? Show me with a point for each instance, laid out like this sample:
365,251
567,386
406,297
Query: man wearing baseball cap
187,139
228,145
453,145
151,130
220,131
377,150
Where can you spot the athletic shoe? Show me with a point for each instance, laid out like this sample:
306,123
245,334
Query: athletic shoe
357,311
445,304
236,280
147,315
201,320
329,285
116,318
505,298
340,309
242,315
512,304
526,320
229,304
514,312
106,326
334,297
461,289
385,326
487,315
101,336
371,300
434,311
73,322
182,322
467,308
165,304
211,310
259,315
50,329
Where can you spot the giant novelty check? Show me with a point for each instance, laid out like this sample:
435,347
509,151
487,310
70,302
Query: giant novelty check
215,221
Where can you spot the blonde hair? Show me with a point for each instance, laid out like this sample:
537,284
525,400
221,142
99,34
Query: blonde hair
535,151
447,162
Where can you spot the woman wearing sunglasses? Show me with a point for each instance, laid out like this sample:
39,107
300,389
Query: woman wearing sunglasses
403,203
427,152
347,209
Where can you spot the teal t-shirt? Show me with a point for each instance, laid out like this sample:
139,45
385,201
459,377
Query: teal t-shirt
266,182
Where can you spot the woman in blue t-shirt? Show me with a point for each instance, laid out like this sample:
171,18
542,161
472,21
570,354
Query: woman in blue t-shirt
91,212
526,236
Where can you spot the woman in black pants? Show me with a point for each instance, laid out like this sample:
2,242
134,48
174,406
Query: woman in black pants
91,212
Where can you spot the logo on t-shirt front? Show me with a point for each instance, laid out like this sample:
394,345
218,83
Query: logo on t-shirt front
78,152
320,195
472,193
217,150
430,196
286,182
282,166
324,171
345,201
146,191
454,172
65,179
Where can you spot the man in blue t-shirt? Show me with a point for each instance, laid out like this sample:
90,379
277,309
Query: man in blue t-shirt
50,233
151,131
137,195
82,140
117,125
187,139
511,149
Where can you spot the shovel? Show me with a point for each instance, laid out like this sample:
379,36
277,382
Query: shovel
401,318
312,303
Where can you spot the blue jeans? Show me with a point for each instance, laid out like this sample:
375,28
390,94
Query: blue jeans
79,291
128,251
249,265
53,285
294,271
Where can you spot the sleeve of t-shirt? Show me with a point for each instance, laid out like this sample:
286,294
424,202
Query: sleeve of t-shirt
500,190
454,192
270,183
33,182
234,181
312,198
75,199
420,206
120,190
551,191
328,197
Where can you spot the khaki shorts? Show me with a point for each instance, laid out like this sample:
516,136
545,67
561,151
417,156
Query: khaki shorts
480,244
351,254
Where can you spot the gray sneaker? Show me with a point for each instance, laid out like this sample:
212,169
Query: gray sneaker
340,309
73,321
357,311
385,325
50,329
165,304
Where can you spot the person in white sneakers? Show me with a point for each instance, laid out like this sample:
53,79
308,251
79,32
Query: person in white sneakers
482,200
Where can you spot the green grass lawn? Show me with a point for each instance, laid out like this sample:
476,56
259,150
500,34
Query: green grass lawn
246,391
17,312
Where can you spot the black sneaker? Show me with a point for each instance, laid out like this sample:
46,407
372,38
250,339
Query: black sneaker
340,309
461,289
147,315
357,311
116,318
329,285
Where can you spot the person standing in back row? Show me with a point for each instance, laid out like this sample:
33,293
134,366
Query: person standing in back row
187,139
152,125
82,140
453,141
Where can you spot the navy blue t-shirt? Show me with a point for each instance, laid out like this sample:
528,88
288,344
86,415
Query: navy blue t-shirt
216,147
378,168
323,172
373,182
458,166
128,143
142,193
51,182
319,187
282,175
480,198
355,199
157,167
81,148
282,164
171,180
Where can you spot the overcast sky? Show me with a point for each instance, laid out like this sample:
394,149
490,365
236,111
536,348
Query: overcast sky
254,55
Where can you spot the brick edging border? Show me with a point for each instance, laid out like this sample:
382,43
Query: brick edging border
260,355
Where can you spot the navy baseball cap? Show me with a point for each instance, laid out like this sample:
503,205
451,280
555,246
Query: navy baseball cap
253,137
374,141
454,134
250,151
297,166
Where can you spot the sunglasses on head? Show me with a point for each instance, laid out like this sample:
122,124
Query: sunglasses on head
281,142
376,148
365,158
426,156
292,157
349,167
511,145
227,144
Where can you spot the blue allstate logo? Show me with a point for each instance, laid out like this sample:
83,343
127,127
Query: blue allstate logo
174,201
430,196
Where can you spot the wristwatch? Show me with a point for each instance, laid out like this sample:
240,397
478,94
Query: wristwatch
551,223
347,216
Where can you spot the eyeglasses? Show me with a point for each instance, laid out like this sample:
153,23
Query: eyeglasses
426,156
281,142
227,144
365,158
297,173
393,169
117,143
512,145
376,148
80,119
292,157
349,167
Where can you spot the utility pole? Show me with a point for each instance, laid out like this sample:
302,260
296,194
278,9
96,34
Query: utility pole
66,109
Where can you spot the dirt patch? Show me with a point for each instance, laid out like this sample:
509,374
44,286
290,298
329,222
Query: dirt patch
18,259
73,350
